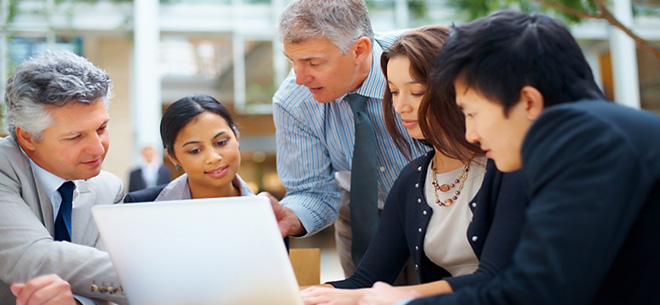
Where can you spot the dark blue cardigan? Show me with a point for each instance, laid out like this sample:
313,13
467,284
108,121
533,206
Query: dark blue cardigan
498,216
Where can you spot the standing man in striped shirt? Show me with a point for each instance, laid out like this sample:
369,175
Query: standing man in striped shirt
334,54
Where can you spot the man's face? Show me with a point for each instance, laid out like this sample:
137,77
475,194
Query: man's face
500,136
76,143
320,66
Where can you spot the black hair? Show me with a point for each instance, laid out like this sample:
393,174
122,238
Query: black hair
499,54
186,109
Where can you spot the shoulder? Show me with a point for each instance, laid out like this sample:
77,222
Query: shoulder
580,129
105,181
16,174
597,112
164,172
385,39
588,115
105,187
145,195
416,166
591,134
9,151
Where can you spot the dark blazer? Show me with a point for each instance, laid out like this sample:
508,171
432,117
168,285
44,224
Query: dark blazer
136,181
592,234
144,195
498,210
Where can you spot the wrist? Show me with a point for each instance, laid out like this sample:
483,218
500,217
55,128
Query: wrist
295,226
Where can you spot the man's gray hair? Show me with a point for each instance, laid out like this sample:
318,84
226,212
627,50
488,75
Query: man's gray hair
340,21
53,78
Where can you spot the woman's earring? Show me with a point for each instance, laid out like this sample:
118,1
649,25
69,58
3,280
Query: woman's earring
178,168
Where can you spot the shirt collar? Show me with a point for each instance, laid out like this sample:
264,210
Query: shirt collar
374,85
179,188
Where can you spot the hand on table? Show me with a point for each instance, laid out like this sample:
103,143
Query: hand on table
43,290
317,295
384,294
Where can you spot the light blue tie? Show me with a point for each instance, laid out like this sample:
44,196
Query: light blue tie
63,219
364,180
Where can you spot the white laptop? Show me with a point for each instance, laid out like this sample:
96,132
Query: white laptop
201,252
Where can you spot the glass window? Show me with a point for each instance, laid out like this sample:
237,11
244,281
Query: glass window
195,57
259,81
22,47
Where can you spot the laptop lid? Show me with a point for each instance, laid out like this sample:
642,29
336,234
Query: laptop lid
202,251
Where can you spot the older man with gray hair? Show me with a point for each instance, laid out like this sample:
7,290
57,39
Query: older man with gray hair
334,154
51,177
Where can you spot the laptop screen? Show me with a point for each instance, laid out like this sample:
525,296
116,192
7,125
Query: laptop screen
201,251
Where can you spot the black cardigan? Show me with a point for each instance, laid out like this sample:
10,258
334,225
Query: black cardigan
498,216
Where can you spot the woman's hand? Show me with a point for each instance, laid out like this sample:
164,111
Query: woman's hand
384,294
43,290
317,295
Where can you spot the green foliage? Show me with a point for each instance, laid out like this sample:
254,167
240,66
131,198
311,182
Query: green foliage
13,9
417,8
379,4
646,7
257,93
479,8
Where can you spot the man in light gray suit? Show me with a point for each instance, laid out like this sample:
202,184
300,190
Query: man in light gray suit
57,118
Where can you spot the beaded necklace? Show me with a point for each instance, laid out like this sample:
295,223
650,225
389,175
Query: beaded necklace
447,187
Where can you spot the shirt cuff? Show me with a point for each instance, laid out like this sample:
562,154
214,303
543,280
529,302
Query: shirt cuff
305,219
84,300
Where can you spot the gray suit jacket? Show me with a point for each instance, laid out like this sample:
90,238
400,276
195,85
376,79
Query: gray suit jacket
27,248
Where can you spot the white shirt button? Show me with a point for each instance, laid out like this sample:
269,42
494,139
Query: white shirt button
424,213
419,169
475,238
474,204
416,185
419,200
419,230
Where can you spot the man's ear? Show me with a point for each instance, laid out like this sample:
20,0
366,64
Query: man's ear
25,139
533,100
361,49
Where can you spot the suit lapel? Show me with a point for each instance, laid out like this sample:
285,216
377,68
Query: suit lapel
47,213
82,216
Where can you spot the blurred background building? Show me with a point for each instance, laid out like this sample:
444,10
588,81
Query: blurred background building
159,51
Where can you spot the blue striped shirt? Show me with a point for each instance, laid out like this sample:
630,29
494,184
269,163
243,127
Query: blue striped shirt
315,141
